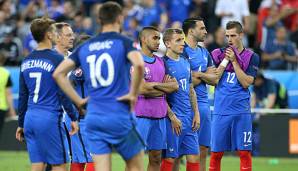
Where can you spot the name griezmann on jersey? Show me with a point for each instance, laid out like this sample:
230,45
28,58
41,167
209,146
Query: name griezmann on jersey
36,64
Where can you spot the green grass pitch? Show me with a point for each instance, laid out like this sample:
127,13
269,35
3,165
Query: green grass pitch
18,161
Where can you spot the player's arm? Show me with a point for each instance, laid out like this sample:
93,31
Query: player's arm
147,89
271,100
194,105
60,75
176,123
22,107
136,59
208,77
68,107
253,100
220,70
168,86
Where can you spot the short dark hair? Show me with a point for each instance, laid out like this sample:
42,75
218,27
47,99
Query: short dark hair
59,26
39,27
147,28
167,35
234,24
81,39
190,23
108,12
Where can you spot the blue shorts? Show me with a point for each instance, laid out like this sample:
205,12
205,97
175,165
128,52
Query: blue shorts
204,132
231,132
45,138
184,144
105,131
78,142
153,132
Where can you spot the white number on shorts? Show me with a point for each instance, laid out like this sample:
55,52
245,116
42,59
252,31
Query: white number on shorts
247,137
37,76
183,83
231,76
95,70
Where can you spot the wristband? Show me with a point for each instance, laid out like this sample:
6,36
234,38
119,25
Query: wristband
224,62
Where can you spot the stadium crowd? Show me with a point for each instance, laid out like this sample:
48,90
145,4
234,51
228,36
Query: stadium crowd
271,26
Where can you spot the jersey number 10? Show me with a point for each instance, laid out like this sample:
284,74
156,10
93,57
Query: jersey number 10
95,66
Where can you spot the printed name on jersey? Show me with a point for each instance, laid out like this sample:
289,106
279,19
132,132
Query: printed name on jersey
100,45
37,64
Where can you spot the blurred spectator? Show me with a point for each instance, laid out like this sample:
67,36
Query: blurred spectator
29,44
236,10
11,46
69,13
273,21
78,22
132,16
178,10
6,104
268,93
280,52
153,14
56,9
291,21
219,40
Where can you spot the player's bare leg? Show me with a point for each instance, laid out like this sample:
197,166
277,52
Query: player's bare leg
177,162
38,166
154,160
60,167
136,163
102,162
203,157
192,162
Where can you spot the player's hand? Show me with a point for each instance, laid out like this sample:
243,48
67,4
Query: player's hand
130,99
74,127
176,125
169,79
230,54
196,122
211,70
20,134
82,102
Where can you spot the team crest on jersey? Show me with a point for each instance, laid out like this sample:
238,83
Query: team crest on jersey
78,72
147,74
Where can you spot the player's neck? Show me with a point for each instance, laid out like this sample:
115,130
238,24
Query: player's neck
240,48
110,28
172,55
191,42
47,44
63,51
147,52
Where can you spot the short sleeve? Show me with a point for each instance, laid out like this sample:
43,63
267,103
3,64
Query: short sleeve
253,65
210,61
74,56
128,45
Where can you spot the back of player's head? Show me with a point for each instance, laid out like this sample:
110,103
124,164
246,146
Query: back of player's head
81,39
109,12
190,23
59,26
146,30
234,24
168,34
40,26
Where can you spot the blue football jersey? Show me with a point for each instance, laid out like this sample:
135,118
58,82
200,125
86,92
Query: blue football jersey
38,89
180,100
230,97
105,66
200,60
